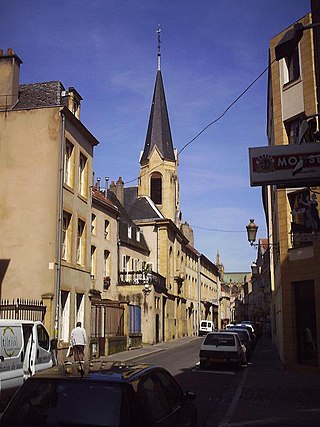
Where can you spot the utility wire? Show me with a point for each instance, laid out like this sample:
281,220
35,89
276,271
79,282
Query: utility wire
218,230
221,231
227,109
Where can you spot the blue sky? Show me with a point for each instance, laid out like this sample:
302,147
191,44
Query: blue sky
211,51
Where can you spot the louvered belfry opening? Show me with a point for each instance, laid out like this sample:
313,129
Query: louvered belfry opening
156,188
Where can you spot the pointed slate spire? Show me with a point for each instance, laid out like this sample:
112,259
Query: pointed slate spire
158,133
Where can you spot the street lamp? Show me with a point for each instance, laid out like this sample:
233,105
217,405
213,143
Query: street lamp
147,285
255,269
252,229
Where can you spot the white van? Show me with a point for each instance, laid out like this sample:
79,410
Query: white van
24,350
205,327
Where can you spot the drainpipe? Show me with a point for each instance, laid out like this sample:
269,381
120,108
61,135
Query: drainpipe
60,226
199,292
157,250
315,11
118,250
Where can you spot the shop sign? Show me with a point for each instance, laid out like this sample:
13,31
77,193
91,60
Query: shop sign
285,165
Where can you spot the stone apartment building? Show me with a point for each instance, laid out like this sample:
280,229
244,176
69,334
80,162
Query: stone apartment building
104,246
259,300
45,173
293,210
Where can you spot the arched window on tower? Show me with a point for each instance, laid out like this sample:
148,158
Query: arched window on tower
156,188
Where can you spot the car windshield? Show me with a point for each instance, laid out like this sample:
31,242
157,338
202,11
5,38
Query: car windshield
219,339
69,403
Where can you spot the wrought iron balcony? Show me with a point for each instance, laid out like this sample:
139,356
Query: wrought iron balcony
141,278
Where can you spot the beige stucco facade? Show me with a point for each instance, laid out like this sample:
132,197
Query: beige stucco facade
295,268
29,200
192,290
104,247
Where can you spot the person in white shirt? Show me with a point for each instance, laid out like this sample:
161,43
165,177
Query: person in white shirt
78,340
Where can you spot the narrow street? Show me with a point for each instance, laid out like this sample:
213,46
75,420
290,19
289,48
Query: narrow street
213,387
262,394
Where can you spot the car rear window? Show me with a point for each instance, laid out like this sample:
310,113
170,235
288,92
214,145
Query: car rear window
64,403
203,324
242,334
219,340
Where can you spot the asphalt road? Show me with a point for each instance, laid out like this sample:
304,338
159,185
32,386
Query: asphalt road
215,388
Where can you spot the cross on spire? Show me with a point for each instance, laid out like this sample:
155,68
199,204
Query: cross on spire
159,47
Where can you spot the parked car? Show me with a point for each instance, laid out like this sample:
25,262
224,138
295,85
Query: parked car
205,327
256,326
222,347
101,393
249,328
244,337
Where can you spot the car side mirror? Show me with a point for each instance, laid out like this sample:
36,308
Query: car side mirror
189,395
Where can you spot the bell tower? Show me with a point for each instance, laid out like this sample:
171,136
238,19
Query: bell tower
158,177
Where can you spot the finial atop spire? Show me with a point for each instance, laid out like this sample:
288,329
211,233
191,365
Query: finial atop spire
159,46
218,258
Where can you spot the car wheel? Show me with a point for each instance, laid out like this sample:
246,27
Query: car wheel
203,364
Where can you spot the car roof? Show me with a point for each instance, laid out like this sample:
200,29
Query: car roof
222,333
16,322
234,330
98,370
244,325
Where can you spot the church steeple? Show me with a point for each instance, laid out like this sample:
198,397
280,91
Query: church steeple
158,133
158,177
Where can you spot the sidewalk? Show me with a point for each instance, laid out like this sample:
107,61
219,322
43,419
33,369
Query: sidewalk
269,395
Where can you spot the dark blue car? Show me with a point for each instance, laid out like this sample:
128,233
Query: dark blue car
101,393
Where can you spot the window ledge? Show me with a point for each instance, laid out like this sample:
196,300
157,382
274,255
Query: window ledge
68,188
75,266
292,83
83,198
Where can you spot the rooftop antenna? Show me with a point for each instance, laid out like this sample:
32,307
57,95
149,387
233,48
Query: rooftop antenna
159,47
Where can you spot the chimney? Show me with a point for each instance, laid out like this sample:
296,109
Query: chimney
98,183
112,187
9,79
106,179
188,232
119,190
74,102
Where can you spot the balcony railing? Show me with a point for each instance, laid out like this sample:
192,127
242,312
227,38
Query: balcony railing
141,278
